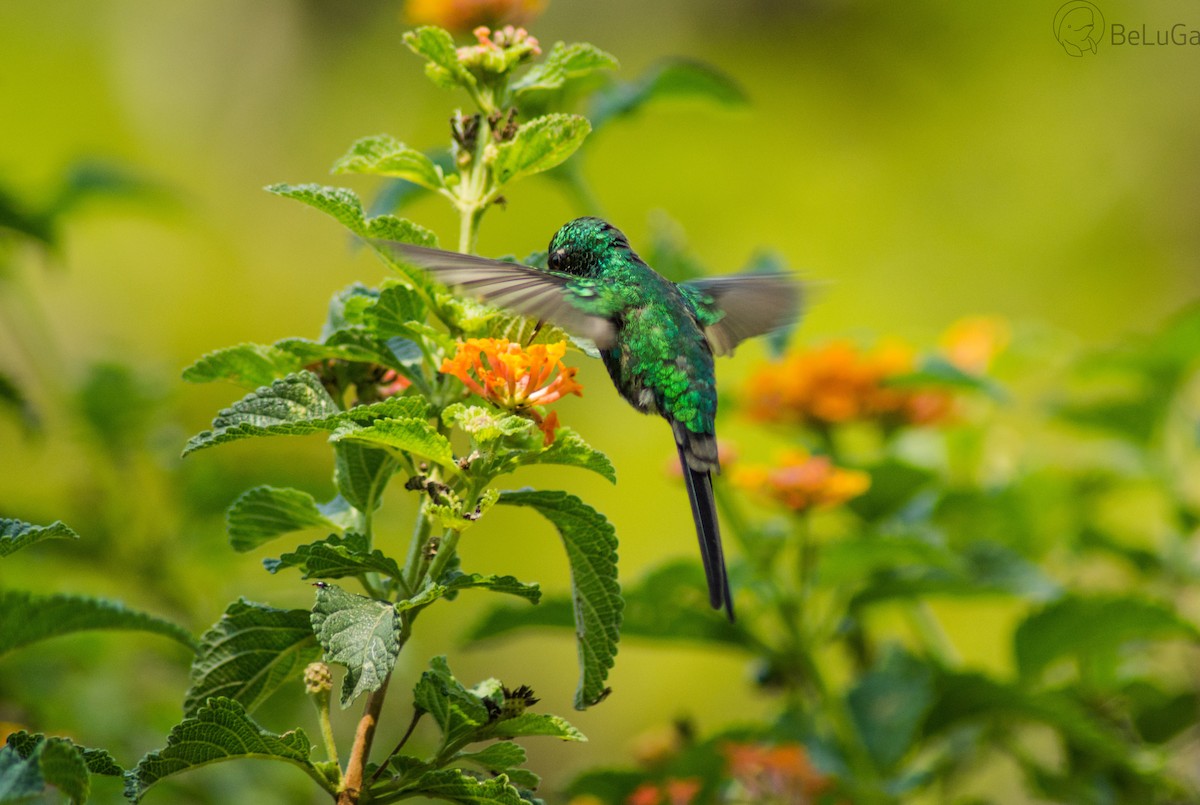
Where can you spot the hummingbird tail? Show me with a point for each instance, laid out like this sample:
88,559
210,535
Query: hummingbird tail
698,458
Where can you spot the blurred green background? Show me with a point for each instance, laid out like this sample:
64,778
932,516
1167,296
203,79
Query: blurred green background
922,162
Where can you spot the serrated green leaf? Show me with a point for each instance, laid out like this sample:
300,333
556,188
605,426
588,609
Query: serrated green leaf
670,78
457,580
360,633
220,730
486,427
335,558
457,711
1094,629
292,406
437,46
498,757
18,534
591,546
48,762
250,365
98,761
344,205
570,449
395,313
361,473
539,145
26,618
452,785
887,704
406,434
528,725
266,512
563,63
249,653
384,155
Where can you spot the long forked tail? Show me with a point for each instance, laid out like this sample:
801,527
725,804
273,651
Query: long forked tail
697,456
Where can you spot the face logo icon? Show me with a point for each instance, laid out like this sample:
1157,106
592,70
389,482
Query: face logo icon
1078,26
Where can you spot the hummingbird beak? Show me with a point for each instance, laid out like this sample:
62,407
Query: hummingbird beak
537,328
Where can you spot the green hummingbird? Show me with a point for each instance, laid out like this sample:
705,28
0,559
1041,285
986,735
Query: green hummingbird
657,338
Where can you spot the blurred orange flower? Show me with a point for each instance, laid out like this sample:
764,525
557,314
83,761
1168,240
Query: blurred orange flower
671,792
972,343
781,773
514,377
465,15
839,382
803,482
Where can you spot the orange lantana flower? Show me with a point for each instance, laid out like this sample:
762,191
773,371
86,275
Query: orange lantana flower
803,482
671,792
781,773
839,382
464,15
514,377
973,342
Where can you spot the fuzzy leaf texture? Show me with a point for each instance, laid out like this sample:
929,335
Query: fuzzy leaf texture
345,206
17,534
563,63
220,730
357,632
405,434
458,712
539,145
57,762
591,545
384,155
249,653
254,365
361,473
27,618
437,46
452,785
266,512
294,405
335,558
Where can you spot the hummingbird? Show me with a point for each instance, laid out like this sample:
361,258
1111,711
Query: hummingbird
657,338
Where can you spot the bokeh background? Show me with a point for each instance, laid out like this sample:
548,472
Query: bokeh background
921,162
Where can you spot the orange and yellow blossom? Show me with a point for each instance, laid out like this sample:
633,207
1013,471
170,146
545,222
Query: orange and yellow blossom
972,343
514,377
802,482
465,15
670,792
781,773
839,382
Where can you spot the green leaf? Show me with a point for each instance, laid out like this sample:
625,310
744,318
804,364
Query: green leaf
539,145
443,67
408,434
26,618
220,730
17,534
457,711
265,512
335,558
98,761
452,785
250,365
344,205
671,78
360,633
888,703
249,653
893,486
30,763
361,473
294,405
570,449
528,725
591,546
498,757
457,580
1094,630
563,63
384,155
395,312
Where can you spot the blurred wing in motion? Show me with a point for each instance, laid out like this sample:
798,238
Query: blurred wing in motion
741,306
565,301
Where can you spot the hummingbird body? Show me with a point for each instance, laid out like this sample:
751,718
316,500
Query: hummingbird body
657,338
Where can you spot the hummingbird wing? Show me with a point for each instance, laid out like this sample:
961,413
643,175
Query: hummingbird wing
566,301
732,309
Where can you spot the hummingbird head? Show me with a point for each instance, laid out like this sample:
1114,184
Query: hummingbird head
580,246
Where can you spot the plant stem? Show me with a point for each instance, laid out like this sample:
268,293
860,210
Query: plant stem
412,725
352,783
327,737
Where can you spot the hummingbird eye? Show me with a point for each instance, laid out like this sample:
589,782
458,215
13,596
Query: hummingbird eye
556,258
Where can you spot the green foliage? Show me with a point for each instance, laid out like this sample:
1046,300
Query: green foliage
29,617
249,653
16,534
361,633
219,730
31,762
